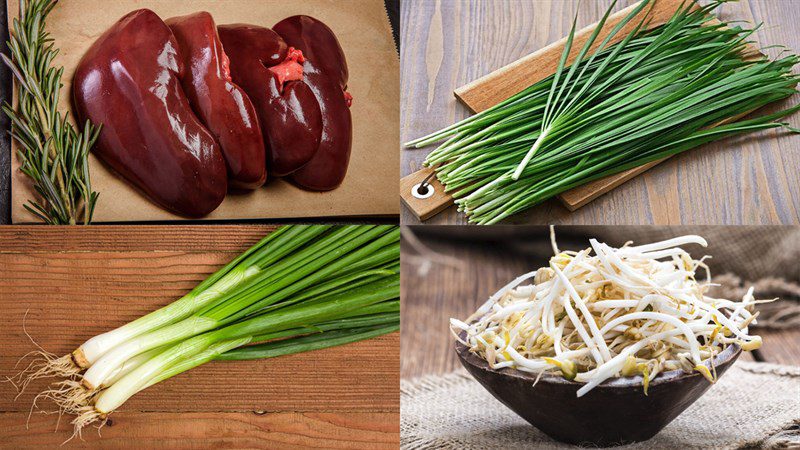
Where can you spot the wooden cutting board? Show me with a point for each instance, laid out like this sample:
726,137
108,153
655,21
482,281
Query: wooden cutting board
363,29
497,86
76,282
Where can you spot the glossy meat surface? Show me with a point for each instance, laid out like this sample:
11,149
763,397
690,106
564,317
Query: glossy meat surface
128,82
318,44
288,111
325,71
220,104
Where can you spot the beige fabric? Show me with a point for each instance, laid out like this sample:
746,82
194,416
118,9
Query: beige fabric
752,405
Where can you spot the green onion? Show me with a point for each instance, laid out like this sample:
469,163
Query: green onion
244,267
269,286
653,95
301,288
307,343
240,334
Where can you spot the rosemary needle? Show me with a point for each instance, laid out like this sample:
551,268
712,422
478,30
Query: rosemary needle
52,153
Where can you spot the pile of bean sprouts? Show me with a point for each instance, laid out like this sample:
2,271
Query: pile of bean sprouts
606,312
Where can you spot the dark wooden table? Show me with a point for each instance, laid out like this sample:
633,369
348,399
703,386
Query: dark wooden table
75,282
430,300
751,180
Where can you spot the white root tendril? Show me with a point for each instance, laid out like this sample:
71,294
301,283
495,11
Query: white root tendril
607,312
87,416
44,364
70,396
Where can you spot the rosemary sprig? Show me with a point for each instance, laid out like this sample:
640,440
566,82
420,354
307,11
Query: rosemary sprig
52,153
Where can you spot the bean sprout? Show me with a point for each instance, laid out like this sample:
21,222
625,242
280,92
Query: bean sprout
607,312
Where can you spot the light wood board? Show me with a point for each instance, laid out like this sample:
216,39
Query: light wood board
363,29
76,282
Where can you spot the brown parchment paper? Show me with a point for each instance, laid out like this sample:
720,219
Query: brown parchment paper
363,30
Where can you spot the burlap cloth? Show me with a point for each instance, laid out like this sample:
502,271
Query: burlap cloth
752,405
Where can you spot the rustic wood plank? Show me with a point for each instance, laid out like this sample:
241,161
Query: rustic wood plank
112,238
783,346
449,43
131,430
580,196
75,283
430,300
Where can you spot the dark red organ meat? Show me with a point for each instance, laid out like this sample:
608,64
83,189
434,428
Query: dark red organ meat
129,82
325,71
318,44
270,72
220,104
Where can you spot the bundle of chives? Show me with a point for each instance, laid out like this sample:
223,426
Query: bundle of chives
299,289
653,95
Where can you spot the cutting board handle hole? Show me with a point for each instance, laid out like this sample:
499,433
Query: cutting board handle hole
422,190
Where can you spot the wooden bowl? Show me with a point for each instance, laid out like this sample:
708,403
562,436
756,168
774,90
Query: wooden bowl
614,413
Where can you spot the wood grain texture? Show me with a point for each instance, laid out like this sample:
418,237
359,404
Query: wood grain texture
431,296
746,180
72,283
5,125
231,430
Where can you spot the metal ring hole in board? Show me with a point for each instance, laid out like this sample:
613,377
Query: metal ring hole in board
422,191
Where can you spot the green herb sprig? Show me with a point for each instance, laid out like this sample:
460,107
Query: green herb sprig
53,154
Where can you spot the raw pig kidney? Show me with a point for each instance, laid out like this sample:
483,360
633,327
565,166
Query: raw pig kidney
220,104
325,71
271,74
129,82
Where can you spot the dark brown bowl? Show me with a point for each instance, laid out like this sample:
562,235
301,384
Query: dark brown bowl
614,413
